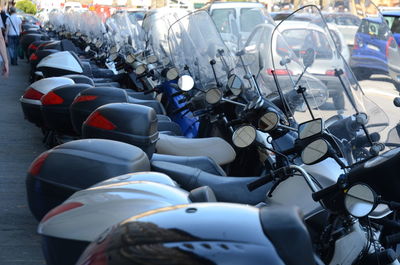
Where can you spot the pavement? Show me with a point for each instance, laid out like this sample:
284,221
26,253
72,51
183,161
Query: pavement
20,144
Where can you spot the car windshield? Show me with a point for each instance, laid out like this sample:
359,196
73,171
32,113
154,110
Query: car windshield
222,18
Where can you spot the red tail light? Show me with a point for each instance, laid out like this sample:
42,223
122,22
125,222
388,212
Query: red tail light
99,121
279,71
388,45
84,98
355,46
37,164
52,98
33,57
33,94
32,47
330,72
61,209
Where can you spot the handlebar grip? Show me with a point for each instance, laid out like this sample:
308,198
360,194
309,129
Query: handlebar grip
317,196
394,205
259,182
180,109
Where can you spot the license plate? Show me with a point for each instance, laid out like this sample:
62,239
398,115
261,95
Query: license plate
373,47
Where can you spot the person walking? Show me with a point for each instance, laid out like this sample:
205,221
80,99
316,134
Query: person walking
3,52
13,29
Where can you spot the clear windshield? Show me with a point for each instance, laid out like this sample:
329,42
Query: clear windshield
194,42
131,33
156,26
290,54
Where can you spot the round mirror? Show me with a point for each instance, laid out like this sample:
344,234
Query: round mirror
87,49
213,95
172,74
244,136
140,68
268,121
113,56
130,58
114,49
314,152
99,43
185,82
360,200
235,84
151,59
165,61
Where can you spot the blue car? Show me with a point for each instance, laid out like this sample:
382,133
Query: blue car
375,50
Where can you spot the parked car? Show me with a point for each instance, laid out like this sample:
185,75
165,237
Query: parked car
347,23
236,20
392,18
375,50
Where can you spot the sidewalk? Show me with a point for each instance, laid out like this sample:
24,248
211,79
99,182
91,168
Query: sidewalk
20,143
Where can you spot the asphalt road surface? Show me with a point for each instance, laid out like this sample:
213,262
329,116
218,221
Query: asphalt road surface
20,143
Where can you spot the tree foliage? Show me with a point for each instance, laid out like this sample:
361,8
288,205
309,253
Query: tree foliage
26,6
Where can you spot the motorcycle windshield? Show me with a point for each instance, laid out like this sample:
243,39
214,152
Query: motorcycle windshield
304,54
156,26
130,31
196,46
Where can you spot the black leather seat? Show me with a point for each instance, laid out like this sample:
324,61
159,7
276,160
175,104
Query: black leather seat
226,189
201,162
282,225
156,105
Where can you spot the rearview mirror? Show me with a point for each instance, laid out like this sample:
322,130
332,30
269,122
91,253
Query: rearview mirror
99,43
309,57
315,152
172,74
244,136
139,67
268,121
113,56
213,96
360,200
151,59
130,58
235,85
185,82
310,128
114,49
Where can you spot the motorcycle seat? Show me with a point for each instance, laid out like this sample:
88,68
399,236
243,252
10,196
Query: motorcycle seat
201,162
282,225
226,189
214,147
152,103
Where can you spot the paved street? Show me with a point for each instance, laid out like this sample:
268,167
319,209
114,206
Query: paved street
20,143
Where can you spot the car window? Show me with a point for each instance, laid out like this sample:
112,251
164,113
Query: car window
222,17
374,29
348,21
250,18
299,40
393,23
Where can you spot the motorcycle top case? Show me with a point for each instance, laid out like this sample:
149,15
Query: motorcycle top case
59,172
90,99
59,64
55,107
130,123
27,39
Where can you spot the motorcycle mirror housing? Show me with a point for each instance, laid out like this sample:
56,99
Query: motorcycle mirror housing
360,200
114,49
113,56
151,59
244,136
268,122
315,152
172,74
130,58
99,43
235,85
213,96
139,67
309,57
185,82
310,128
